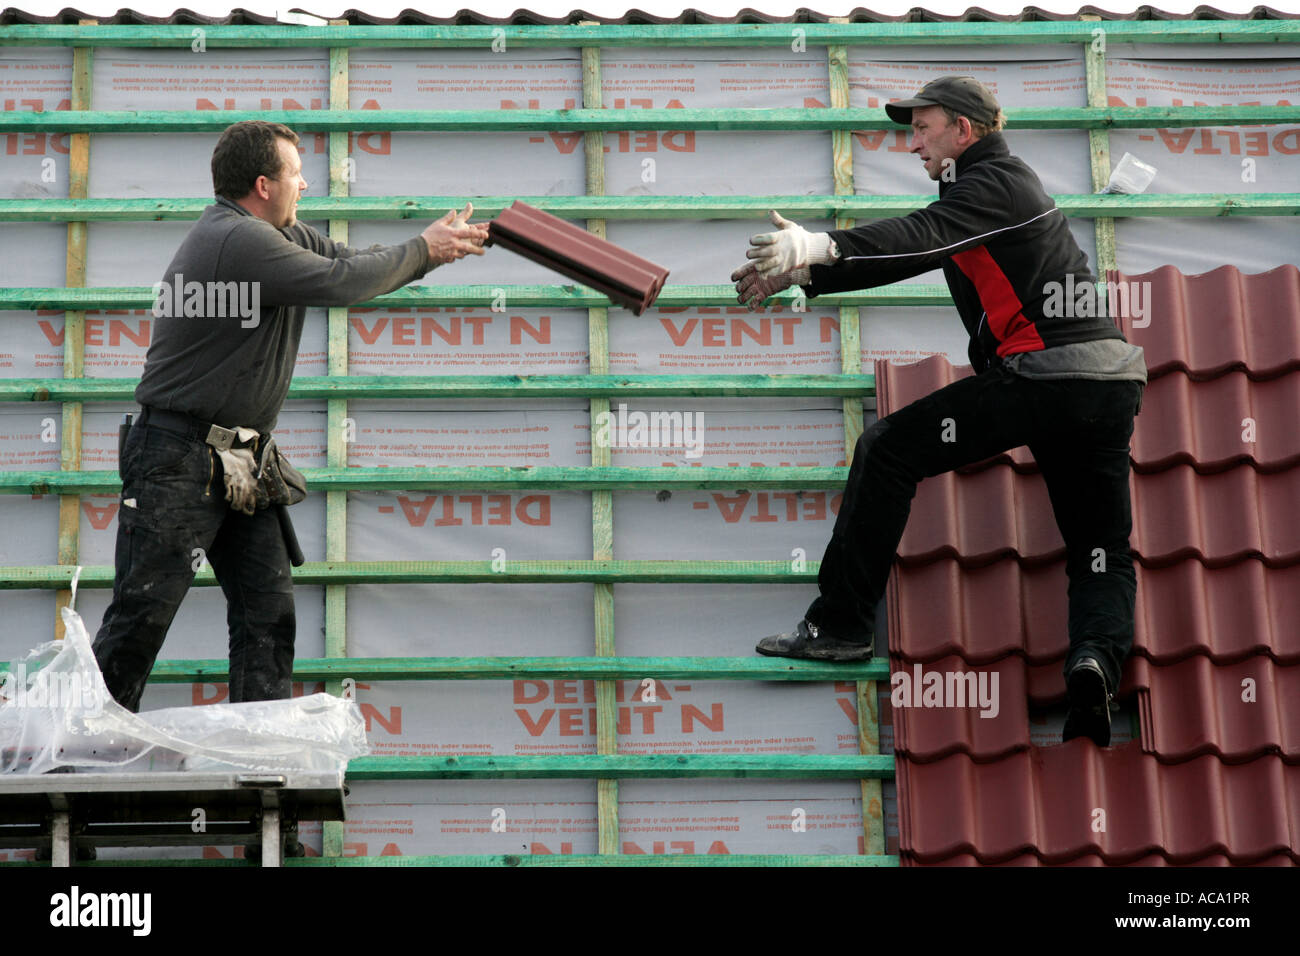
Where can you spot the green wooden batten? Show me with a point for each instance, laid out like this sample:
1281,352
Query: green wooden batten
540,668
602,502
485,478
873,817
670,860
1182,205
74,326
784,119
621,860
1099,157
521,297
23,577
332,831
624,767
478,386
661,35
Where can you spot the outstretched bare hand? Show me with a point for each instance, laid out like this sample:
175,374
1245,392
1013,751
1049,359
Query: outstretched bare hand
453,237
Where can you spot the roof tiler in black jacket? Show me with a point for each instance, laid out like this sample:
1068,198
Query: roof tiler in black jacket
1004,249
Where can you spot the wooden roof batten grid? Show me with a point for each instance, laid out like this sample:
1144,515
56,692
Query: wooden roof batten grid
607,766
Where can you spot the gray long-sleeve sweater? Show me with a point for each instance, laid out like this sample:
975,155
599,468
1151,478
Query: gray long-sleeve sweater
221,366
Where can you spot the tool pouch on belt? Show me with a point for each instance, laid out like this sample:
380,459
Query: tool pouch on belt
256,475
282,483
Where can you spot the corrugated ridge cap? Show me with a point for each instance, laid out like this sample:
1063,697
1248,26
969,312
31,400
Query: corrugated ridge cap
525,17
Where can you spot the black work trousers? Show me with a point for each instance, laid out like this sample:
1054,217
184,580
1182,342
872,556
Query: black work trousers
1078,431
172,515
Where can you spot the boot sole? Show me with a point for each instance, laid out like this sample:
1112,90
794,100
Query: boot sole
1087,716
841,655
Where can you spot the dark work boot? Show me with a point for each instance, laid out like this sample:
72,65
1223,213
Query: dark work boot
811,643
1089,714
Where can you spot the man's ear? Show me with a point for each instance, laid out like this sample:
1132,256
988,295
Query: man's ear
259,188
964,129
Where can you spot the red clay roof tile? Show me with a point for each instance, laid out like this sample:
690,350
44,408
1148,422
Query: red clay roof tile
1061,803
1237,711
625,277
1220,321
984,613
1215,777
1220,518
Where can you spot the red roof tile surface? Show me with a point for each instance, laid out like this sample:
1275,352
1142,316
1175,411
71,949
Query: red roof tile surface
1220,321
1186,608
1183,421
1213,776
1220,518
1065,802
1236,711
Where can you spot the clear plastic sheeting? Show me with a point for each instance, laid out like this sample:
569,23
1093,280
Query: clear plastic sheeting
56,712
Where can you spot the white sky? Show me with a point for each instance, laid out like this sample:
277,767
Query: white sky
616,8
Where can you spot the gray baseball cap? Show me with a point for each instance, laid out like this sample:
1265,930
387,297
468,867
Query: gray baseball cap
965,94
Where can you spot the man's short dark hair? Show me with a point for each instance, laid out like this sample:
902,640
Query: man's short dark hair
245,151
979,129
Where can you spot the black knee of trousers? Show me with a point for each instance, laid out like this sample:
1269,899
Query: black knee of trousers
868,439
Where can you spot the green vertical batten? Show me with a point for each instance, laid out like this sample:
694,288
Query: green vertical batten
1094,55
602,502
74,327
336,502
873,817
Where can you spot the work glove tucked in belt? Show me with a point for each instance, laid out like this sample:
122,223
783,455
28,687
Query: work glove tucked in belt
256,482
242,487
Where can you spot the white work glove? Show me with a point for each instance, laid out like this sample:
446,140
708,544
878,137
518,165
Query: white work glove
753,289
241,474
791,248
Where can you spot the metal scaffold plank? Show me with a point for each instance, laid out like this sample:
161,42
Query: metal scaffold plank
620,860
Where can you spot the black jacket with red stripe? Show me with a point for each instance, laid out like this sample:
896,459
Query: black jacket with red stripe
1004,248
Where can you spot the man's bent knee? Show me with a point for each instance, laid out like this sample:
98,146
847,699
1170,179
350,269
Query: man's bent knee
870,437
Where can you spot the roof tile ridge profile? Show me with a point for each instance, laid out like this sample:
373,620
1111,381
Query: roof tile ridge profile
1212,323
1219,518
1236,712
1187,811
628,279
1226,614
948,706
1218,424
464,16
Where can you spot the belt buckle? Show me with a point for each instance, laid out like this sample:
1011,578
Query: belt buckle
221,438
